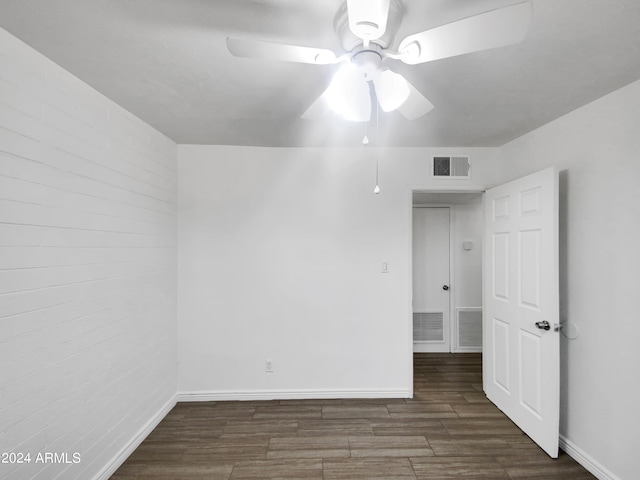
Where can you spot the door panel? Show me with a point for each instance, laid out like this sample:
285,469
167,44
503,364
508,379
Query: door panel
530,372
521,360
501,265
529,252
501,356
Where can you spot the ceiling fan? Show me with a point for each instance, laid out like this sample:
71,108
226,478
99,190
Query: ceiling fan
350,92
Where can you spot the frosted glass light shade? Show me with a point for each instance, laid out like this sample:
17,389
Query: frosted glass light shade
392,90
348,95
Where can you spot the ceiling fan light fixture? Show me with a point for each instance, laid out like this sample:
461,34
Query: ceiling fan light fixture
348,95
392,90
350,92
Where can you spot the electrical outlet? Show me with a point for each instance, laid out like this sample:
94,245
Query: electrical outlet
268,366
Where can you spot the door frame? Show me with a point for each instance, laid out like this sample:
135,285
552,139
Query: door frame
480,189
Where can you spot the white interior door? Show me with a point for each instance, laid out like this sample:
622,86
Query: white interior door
520,356
431,279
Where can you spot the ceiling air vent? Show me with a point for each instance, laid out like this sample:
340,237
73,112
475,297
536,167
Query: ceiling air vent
458,166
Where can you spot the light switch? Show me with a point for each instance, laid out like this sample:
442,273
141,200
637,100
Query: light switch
385,267
467,245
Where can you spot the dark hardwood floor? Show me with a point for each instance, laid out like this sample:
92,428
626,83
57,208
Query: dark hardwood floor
449,430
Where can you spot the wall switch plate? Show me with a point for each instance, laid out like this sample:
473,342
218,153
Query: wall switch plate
385,267
268,366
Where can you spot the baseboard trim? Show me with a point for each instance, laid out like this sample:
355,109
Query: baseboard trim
585,460
245,395
138,438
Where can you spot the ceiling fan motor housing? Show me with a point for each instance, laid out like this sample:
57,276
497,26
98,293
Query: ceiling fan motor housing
367,61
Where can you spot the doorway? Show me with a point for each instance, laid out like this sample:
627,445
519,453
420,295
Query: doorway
431,265
520,362
447,271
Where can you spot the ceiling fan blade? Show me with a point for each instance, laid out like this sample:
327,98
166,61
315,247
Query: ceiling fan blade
318,109
496,28
368,18
239,47
416,104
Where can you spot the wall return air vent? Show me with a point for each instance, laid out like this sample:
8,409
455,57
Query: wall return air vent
428,327
451,166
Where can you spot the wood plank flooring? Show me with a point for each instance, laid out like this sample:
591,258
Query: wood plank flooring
449,430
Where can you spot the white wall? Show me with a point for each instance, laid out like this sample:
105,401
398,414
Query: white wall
597,150
87,269
468,225
280,255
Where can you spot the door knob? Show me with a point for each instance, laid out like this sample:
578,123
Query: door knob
445,287
544,325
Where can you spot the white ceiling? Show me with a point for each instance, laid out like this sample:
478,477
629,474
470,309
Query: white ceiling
166,61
